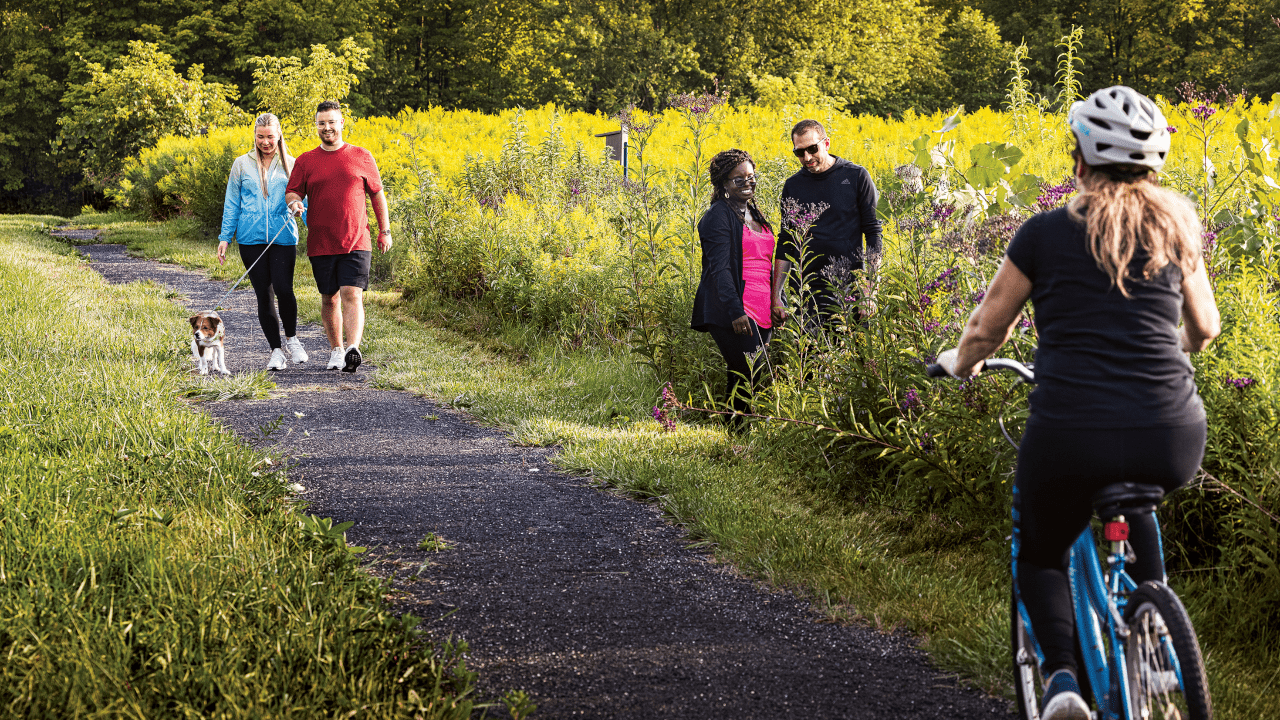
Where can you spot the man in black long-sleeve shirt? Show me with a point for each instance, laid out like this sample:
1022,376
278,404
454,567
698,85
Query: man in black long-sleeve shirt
848,228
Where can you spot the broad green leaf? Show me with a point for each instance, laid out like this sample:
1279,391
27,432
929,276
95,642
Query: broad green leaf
920,152
952,122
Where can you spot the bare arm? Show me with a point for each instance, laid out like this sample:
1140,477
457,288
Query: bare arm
1200,320
780,269
991,322
384,220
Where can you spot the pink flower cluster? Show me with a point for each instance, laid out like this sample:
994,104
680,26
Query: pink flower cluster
661,412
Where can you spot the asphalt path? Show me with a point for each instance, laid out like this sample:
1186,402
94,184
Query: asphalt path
588,601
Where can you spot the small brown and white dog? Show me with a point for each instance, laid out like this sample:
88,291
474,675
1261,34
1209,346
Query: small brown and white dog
207,332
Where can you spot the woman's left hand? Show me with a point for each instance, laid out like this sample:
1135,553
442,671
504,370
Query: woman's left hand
222,252
742,325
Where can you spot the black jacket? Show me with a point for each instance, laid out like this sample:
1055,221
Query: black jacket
846,227
719,298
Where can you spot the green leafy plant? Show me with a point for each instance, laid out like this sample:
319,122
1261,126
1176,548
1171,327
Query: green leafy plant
434,543
291,90
1068,74
119,112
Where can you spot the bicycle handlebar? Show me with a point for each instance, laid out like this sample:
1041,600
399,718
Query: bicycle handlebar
936,371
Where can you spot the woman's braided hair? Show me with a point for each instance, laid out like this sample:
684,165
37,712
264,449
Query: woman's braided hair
720,167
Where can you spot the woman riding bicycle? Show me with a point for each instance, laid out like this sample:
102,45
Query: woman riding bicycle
1115,401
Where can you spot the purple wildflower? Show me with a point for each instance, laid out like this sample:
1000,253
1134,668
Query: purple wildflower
699,106
978,297
660,412
801,216
1052,195
911,400
1240,383
1025,323
924,301
1209,240
909,224
941,213
932,326
1172,129
1203,112
948,280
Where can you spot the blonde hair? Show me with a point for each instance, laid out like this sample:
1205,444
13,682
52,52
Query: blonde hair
270,120
1123,208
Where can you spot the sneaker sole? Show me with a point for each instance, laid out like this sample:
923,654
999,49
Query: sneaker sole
353,360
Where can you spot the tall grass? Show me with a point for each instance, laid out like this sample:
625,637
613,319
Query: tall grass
151,564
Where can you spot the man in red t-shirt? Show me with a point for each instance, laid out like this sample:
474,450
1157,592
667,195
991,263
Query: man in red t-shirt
335,178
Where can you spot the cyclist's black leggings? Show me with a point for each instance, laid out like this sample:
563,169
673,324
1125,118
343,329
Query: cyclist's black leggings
273,273
1058,473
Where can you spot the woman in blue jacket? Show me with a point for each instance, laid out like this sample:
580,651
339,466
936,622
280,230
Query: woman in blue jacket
252,214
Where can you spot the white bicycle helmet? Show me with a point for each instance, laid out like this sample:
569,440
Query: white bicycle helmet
1120,125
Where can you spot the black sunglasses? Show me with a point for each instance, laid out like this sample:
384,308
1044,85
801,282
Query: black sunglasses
743,181
802,151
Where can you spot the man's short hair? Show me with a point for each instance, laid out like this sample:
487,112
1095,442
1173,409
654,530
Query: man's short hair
328,105
805,126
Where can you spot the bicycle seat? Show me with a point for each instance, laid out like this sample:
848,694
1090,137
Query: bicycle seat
1110,500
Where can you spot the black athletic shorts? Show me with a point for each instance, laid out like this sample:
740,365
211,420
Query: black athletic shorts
336,271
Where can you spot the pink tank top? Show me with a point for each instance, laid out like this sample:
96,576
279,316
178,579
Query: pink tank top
757,269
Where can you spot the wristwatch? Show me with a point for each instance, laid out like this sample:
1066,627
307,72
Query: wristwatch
385,232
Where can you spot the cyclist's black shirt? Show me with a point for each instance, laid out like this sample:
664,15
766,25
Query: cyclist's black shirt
1104,360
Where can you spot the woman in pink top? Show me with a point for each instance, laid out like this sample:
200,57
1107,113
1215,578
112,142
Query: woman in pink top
733,299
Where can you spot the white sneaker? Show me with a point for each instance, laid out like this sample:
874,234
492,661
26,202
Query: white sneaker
1066,706
277,360
337,358
296,353
1062,700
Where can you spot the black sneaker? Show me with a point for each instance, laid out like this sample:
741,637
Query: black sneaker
353,360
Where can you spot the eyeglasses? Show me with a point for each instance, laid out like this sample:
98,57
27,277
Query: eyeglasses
322,124
743,181
802,151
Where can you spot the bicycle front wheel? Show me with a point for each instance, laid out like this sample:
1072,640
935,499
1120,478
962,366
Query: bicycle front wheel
1165,668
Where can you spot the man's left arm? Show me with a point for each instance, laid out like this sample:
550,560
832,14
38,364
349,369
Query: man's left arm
384,220
868,199
373,182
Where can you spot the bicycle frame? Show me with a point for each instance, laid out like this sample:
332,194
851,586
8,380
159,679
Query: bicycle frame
1099,599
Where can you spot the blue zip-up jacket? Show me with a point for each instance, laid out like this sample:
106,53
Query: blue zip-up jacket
247,216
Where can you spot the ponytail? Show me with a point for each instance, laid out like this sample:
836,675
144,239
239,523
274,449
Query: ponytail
1123,210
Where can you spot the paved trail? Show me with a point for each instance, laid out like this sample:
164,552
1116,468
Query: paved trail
587,601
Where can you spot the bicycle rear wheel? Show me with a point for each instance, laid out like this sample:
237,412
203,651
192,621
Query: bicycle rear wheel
1027,682
1165,668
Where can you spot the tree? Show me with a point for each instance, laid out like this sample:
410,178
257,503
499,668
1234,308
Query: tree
28,105
292,91
119,112
975,57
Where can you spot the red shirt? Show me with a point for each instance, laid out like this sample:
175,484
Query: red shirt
335,183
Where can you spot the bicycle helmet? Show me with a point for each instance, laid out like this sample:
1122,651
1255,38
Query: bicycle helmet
1119,125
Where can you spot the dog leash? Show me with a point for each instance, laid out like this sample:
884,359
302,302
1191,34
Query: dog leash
284,225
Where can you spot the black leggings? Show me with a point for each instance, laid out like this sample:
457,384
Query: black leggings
737,351
273,273
1058,473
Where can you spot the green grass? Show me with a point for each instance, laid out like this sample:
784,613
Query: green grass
858,561
152,564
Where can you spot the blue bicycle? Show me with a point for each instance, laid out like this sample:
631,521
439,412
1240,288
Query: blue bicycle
1137,651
